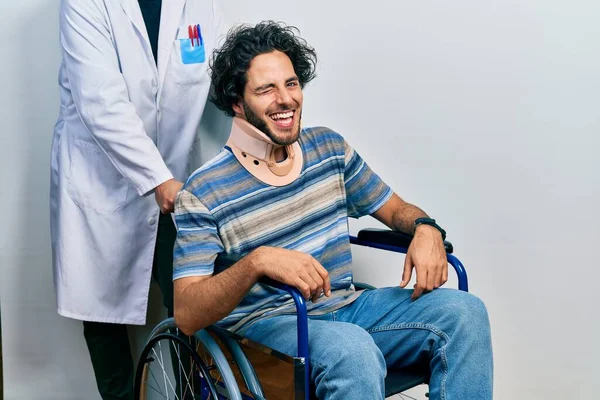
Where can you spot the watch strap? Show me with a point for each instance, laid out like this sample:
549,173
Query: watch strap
430,222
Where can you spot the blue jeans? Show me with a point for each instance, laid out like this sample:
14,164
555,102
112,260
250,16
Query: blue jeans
446,330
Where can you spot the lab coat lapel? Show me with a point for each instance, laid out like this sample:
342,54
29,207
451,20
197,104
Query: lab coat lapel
169,22
132,9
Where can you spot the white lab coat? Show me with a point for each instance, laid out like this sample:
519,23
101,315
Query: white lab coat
125,126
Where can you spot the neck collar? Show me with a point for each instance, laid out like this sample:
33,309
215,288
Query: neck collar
256,152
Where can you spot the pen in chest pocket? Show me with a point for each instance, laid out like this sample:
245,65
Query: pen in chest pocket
195,35
192,48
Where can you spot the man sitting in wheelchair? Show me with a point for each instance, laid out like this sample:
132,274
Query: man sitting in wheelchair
274,202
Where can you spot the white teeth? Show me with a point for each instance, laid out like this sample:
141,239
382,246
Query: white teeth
288,114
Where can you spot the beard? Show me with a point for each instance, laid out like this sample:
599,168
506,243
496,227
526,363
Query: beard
260,124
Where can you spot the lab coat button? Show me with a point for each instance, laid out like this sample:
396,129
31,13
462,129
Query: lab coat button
151,220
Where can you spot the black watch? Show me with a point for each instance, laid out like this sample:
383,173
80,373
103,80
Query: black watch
430,222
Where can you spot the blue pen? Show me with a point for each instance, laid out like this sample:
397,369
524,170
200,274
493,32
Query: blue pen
200,36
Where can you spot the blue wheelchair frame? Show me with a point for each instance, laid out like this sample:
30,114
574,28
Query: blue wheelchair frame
375,238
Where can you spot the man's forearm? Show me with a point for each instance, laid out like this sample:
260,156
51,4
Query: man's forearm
404,218
205,302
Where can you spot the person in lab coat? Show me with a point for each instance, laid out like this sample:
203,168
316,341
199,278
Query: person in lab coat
133,87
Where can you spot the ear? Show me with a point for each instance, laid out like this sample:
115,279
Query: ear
238,108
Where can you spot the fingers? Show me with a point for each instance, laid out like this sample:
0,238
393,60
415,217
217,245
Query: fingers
432,280
169,200
314,278
419,287
324,276
407,272
165,204
303,287
319,275
167,207
316,284
166,194
444,274
441,273
429,278
299,270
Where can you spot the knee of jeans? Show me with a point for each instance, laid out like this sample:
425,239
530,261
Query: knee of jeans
466,310
355,352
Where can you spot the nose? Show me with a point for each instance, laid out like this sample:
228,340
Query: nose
284,97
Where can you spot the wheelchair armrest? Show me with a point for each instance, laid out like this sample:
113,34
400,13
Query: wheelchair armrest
391,238
398,242
302,318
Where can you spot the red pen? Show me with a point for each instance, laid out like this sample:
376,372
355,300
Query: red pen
196,34
191,34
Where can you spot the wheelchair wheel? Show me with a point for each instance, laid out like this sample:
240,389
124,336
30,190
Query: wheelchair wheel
176,367
157,377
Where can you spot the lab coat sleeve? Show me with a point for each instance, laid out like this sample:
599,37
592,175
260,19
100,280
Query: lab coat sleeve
100,94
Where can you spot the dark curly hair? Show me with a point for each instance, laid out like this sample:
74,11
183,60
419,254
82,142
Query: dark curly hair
231,61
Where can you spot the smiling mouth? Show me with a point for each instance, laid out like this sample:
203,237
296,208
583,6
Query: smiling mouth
283,119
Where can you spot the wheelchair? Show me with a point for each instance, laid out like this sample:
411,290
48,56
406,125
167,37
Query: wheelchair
218,364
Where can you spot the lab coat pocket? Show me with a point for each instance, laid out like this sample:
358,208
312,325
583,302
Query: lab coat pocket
188,63
192,52
94,182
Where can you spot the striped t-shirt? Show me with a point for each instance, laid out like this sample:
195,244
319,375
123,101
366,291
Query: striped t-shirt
223,213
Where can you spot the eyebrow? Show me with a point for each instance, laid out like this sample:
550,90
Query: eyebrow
270,85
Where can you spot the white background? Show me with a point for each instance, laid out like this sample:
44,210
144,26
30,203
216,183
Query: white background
484,113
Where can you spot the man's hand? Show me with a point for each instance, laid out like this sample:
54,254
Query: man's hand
165,194
293,268
427,254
